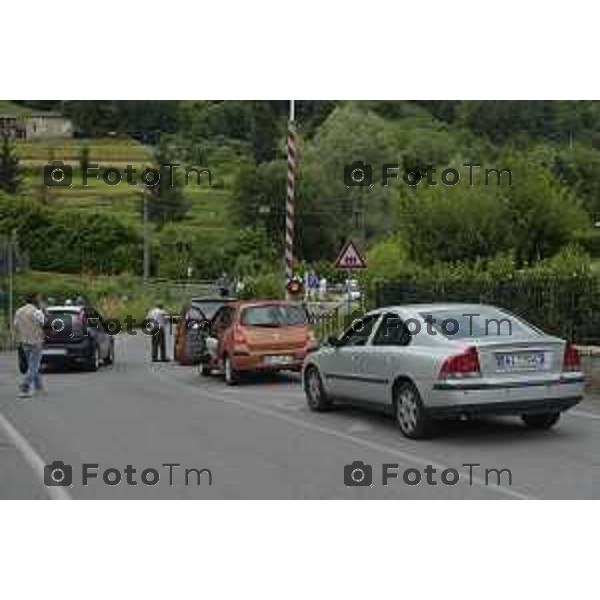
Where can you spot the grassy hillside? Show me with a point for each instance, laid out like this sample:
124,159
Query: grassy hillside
15,110
209,204
102,150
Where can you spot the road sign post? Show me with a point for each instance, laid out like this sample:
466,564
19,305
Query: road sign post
146,274
349,259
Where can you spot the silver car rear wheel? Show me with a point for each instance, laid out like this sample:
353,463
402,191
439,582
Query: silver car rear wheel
409,411
541,421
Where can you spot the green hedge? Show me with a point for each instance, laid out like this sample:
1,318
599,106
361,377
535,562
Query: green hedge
115,296
70,241
560,295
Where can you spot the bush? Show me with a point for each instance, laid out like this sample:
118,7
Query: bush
212,252
388,260
535,216
561,295
264,286
115,296
70,241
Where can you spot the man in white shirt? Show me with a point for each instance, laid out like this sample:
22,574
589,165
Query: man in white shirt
29,334
159,318
322,289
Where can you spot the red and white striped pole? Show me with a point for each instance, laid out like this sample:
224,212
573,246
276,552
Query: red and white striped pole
292,164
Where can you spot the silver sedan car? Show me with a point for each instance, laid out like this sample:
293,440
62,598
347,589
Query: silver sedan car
424,362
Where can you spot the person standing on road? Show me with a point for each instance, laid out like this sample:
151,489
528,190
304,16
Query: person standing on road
312,284
29,334
239,287
223,284
159,317
322,289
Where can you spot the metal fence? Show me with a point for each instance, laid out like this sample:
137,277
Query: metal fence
568,308
324,324
332,320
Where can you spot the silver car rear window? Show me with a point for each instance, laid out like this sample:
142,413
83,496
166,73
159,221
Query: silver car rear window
472,323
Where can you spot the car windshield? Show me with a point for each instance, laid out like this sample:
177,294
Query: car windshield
207,308
459,324
273,315
57,313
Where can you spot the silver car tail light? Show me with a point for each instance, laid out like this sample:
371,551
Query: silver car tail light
465,364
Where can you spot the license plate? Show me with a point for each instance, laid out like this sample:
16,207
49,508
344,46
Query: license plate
277,360
54,352
521,360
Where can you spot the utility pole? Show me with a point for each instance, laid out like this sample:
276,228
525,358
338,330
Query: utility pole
146,244
11,245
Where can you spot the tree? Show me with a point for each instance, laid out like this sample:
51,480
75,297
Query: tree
84,158
44,194
10,177
41,104
255,122
544,215
264,132
327,211
143,119
525,120
258,199
579,168
70,241
444,110
440,223
166,200
534,217
330,211
501,120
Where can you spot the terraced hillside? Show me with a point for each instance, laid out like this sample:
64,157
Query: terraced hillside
209,204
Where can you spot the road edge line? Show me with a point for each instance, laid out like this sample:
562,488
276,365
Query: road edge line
583,414
33,459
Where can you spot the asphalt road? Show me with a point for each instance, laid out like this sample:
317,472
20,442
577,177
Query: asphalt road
259,440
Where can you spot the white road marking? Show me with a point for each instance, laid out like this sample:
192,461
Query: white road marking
32,458
405,456
299,395
584,414
359,428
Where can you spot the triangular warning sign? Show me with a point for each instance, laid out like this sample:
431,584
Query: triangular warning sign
350,257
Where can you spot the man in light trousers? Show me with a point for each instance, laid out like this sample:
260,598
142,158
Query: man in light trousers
29,335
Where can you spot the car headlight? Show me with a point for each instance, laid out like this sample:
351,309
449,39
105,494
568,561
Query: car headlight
312,343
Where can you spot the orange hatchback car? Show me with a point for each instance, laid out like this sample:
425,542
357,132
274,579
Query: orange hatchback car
258,336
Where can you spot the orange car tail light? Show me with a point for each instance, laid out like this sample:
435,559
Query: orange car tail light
239,335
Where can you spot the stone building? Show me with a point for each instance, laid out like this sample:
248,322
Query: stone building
35,126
